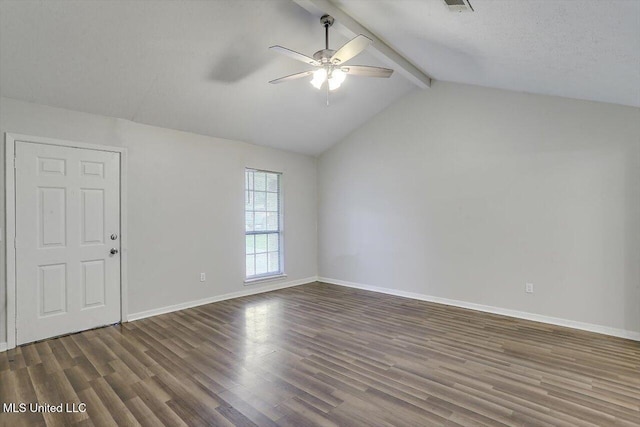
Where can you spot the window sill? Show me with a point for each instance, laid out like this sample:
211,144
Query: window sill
264,279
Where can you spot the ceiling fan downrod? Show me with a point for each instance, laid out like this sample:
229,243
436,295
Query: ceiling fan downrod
327,21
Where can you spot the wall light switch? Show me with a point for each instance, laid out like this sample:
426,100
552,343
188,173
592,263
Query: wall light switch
528,288
203,277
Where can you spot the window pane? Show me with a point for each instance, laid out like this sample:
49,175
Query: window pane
259,183
250,265
248,221
261,243
261,264
273,242
260,201
260,223
272,182
272,201
272,221
250,244
274,262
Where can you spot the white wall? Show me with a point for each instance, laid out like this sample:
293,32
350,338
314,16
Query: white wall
185,201
466,193
456,192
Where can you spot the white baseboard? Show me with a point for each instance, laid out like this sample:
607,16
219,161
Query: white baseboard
606,330
255,289
3,346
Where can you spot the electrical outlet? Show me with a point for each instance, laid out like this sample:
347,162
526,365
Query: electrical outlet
203,277
528,288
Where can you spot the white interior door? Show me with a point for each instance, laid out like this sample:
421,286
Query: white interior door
67,223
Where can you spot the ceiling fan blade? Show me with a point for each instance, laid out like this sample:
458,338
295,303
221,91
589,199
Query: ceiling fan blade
292,77
295,55
351,49
366,71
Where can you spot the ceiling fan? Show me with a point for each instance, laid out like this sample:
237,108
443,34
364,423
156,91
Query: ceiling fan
329,63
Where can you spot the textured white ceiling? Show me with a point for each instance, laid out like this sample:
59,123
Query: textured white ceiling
199,66
203,66
584,49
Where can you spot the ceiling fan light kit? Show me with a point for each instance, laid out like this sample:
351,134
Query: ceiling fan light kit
330,70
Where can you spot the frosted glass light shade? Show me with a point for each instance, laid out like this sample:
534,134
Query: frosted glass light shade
319,76
336,79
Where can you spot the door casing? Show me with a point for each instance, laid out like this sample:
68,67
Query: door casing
10,209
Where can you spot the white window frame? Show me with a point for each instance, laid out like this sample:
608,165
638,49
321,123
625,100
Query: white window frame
280,232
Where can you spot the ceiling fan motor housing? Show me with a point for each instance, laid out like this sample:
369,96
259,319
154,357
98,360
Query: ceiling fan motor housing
324,55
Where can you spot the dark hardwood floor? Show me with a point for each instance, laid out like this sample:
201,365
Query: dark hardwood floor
320,354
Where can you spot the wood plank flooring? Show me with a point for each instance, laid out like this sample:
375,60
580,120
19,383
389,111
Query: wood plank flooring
325,355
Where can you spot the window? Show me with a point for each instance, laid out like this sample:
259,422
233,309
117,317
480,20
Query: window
263,219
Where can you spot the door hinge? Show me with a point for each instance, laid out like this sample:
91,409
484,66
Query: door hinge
15,163
15,243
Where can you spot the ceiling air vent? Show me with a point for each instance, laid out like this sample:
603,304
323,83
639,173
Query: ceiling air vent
459,5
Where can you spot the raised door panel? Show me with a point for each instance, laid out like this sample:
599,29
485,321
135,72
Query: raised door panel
92,169
92,216
52,289
93,284
48,166
52,217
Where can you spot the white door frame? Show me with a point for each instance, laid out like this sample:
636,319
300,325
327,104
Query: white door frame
10,209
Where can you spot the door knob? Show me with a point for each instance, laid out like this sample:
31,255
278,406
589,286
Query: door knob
113,251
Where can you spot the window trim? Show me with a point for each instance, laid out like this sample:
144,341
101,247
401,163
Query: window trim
259,279
248,280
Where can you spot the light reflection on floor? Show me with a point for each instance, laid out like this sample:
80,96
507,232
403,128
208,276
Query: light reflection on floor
261,329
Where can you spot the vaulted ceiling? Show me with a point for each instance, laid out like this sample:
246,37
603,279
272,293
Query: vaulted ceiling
583,49
199,66
203,66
